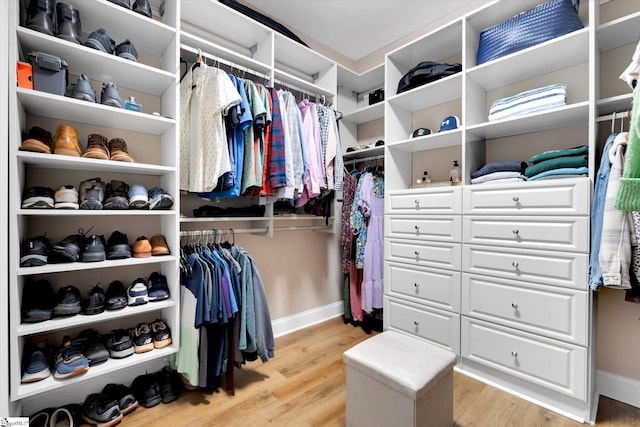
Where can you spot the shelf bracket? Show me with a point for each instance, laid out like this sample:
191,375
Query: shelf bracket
253,49
315,76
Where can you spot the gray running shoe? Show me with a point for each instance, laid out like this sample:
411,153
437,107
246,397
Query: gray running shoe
83,89
110,96
101,41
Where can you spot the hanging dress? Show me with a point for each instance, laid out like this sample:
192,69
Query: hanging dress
372,205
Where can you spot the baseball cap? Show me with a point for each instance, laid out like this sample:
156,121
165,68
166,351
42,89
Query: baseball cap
420,132
449,123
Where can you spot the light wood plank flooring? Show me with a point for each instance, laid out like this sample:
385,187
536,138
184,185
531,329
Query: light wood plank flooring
304,385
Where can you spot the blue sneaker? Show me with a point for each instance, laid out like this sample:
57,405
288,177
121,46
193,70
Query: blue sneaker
70,360
159,199
137,292
157,287
37,363
138,197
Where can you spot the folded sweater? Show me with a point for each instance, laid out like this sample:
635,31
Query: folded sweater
556,163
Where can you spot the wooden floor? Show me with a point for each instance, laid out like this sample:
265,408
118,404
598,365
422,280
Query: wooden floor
304,385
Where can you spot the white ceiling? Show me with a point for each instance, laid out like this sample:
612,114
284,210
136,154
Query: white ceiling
356,28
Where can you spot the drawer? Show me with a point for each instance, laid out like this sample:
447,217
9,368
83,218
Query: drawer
559,313
443,200
436,326
561,233
428,254
425,227
563,197
554,268
435,287
552,364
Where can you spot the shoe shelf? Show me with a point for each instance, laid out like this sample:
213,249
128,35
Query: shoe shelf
439,92
53,161
614,104
366,114
26,329
363,153
98,65
618,32
104,369
148,35
452,138
64,108
77,266
100,212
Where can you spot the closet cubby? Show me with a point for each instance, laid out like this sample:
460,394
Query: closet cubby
151,140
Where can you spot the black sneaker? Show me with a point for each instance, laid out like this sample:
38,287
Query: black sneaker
118,246
101,41
116,197
38,198
94,349
157,288
34,251
38,300
68,301
119,343
116,296
143,7
94,249
161,334
127,50
94,303
122,395
69,249
170,384
147,390
99,411
142,338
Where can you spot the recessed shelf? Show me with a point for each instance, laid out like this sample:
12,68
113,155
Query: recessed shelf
434,141
365,114
79,266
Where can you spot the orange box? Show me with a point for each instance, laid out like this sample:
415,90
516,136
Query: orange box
25,75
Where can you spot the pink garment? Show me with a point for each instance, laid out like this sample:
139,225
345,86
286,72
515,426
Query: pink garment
312,139
355,289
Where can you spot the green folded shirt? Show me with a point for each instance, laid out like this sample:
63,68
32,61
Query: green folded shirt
552,154
556,163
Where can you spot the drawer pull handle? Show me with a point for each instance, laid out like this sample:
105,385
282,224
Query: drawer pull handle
417,227
516,232
514,305
416,285
417,202
417,253
514,353
516,199
416,323
514,264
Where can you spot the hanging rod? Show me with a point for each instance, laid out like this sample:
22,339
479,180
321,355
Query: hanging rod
364,159
290,87
211,232
608,117
302,227
223,61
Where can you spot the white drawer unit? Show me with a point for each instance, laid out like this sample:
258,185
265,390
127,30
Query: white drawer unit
445,200
428,254
426,227
565,269
559,313
565,197
556,233
434,287
553,364
439,327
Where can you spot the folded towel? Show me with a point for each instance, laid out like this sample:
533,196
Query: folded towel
528,102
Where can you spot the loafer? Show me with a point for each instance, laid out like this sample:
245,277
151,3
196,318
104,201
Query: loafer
38,140
159,245
141,248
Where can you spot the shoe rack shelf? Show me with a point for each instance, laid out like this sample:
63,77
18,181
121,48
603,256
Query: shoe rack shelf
151,140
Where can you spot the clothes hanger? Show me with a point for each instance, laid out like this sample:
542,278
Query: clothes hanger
613,123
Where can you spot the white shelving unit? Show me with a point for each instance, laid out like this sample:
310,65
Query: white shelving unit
152,141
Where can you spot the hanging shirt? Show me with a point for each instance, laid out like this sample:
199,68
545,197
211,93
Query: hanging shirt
206,93
251,138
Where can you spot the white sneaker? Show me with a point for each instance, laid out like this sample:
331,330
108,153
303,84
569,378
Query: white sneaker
66,197
137,292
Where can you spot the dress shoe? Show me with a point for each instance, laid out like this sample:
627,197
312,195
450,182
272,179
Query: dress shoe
67,141
38,140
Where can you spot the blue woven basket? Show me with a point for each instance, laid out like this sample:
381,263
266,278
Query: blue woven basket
544,22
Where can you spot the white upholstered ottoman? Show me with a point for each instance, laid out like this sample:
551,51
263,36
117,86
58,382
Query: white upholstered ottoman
397,380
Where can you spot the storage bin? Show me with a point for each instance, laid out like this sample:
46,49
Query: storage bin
49,73
25,75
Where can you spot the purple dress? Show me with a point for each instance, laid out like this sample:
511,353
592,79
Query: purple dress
372,205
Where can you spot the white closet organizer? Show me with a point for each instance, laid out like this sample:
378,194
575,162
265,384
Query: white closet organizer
249,47
494,272
151,140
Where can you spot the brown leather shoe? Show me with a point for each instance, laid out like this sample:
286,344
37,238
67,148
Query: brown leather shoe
118,150
67,141
159,245
141,248
96,147
38,141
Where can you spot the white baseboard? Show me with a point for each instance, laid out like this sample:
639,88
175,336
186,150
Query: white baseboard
622,389
286,325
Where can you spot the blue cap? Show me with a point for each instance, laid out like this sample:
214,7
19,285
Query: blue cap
449,123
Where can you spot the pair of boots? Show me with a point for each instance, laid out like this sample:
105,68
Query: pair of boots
61,20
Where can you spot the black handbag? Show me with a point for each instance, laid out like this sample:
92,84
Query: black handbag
426,72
